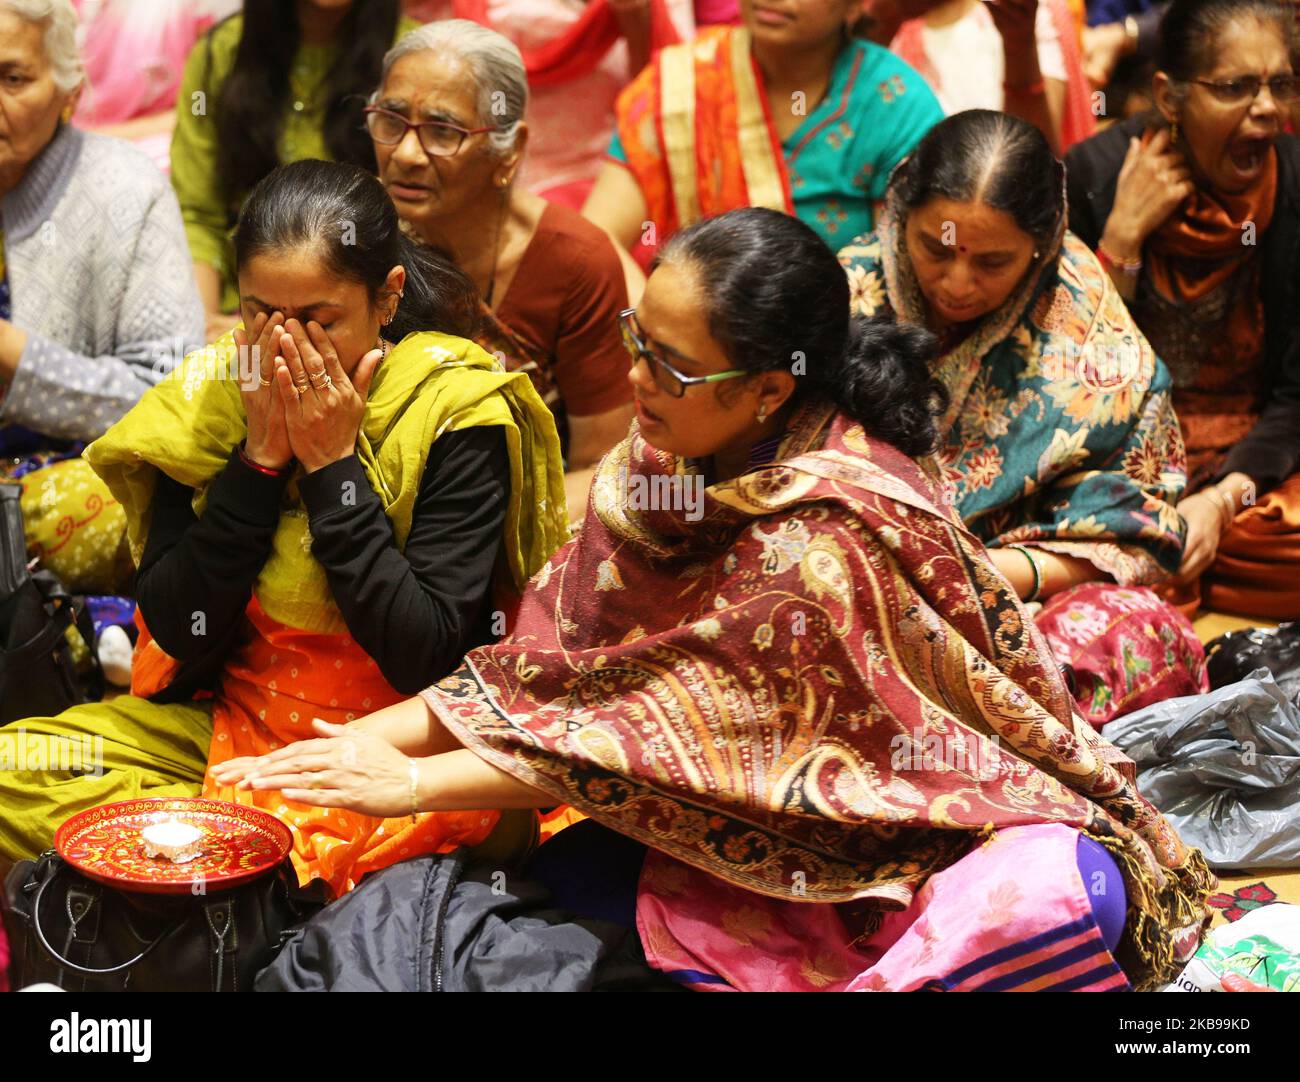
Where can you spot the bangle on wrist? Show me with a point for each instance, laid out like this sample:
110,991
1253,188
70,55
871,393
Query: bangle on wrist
415,784
1037,588
247,461
1129,269
1227,504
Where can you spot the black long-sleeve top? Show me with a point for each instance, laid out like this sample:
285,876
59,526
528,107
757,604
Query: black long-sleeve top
415,611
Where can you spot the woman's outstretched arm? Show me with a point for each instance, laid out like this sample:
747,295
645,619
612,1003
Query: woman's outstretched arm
356,768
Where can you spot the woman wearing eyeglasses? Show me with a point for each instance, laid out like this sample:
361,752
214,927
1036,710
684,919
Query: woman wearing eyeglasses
447,124
280,81
1195,212
743,670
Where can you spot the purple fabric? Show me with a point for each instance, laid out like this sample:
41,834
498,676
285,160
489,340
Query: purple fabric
107,610
1104,886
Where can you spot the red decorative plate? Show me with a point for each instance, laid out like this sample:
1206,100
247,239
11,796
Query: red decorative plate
239,844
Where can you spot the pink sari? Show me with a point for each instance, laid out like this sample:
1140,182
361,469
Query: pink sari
1011,915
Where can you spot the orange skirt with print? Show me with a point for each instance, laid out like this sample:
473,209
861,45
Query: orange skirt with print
272,686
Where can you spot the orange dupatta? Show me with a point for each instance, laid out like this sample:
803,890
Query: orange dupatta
697,134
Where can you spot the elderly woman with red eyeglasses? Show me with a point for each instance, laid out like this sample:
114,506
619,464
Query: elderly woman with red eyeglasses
447,124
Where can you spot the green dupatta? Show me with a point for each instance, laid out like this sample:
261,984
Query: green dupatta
190,423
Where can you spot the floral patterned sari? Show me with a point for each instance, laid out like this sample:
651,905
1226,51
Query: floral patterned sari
1059,431
1060,434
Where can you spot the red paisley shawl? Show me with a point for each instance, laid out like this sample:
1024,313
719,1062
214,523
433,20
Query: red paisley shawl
752,692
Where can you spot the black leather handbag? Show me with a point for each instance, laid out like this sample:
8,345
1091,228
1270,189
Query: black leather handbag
38,676
68,930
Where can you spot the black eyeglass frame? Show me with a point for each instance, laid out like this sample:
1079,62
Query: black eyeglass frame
1220,87
637,346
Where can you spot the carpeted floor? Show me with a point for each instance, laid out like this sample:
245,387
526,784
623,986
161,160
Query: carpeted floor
1240,893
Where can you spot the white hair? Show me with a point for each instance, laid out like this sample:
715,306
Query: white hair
59,19
495,62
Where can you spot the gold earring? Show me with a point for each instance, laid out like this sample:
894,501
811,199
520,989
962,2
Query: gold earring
762,413
1173,133
66,115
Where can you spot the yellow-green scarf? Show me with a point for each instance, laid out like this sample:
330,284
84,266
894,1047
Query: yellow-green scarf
190,423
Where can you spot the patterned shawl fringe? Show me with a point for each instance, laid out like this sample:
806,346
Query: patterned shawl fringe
1156,914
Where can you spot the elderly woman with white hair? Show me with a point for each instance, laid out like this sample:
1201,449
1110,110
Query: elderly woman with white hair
447,124
97,298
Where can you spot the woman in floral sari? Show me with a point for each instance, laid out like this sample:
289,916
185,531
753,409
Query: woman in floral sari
321,525
1059,437
792,755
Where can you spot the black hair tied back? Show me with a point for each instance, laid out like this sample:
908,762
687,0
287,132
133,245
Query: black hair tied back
1190,31
885,383
343,213
993,158
778,299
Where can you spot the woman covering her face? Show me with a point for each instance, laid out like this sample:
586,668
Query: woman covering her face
327,509
1195,212
777,672
1059,438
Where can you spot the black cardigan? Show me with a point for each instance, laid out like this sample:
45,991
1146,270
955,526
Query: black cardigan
1270,452
416,611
